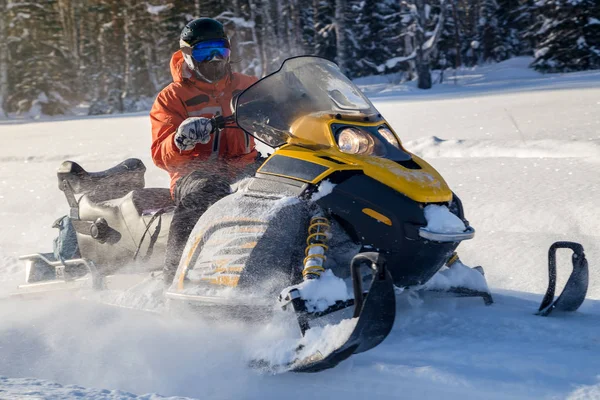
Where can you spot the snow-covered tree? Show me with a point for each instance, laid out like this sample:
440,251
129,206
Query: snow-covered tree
341,35
323,17
374,36
41,66
3,58
244,41
450,43
115,54
516,19
569,37
490,34
423,30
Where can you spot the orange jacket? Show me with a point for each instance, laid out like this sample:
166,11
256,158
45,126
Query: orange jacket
187,97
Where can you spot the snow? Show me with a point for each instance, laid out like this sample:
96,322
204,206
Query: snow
522,189
322,292
392,62
325,188
458,275
30,388
155,10
441,220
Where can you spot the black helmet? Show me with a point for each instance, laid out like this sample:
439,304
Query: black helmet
212,45
202,29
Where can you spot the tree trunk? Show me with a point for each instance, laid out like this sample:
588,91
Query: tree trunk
422,60
127,48
258,54
3,59
425,44
424,71
295,31
408,49
268,36
458,59
340,35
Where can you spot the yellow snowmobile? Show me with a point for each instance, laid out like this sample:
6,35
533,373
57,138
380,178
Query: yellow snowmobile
337,219
339,190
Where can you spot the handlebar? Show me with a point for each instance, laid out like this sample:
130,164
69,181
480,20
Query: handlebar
221,122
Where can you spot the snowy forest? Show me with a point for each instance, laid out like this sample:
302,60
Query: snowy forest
114,54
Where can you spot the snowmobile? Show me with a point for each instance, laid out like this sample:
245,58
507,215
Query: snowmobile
339,190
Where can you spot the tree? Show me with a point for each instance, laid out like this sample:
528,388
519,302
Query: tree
569,38
451,39
324,28
424,29
341,35
490,35
373,36
3,58
41,66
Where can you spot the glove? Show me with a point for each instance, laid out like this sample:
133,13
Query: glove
192,131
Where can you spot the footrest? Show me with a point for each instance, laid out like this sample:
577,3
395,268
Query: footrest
576,288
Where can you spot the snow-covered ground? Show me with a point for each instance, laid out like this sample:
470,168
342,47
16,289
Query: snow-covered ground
522,150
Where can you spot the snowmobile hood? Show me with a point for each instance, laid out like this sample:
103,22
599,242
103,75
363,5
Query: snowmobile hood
416,179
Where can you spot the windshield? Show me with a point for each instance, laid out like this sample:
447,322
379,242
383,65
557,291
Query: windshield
302,86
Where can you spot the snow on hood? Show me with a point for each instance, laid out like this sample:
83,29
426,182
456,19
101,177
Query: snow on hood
441,220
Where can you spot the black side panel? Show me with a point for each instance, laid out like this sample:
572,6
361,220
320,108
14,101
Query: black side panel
292,167
411,260
276,186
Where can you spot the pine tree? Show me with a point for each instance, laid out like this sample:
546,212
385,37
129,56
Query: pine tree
490,35
325,40
569,38
3,58
515,19
450,44
41,66
424,27
307,23
375,36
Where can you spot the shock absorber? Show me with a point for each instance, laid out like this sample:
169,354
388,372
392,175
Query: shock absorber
316,246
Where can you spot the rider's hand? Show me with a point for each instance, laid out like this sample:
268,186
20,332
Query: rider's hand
192,131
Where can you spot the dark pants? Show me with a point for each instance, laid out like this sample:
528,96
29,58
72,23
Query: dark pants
194,193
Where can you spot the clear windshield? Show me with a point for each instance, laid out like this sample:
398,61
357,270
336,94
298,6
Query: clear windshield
302,86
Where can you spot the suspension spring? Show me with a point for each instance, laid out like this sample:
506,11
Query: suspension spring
316,245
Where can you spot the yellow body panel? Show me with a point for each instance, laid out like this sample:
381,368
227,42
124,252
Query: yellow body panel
313,138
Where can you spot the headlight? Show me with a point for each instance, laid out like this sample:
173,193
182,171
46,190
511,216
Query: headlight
355,141
389,136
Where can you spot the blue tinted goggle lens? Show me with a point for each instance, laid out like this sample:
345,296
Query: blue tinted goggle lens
206,51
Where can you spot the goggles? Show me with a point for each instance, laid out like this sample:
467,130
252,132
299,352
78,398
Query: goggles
209,50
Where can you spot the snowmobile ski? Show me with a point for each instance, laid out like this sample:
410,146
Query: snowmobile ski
375,310
575,290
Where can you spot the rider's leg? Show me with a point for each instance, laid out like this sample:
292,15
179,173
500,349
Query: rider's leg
194,193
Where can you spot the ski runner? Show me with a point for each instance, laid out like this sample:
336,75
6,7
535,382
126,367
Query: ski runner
201,165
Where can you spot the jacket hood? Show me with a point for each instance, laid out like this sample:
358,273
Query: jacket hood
179,70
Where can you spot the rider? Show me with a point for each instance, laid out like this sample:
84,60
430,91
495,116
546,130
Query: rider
200,162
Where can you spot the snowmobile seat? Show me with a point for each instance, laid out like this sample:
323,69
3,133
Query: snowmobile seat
134,204
149,200
113,232
112,183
